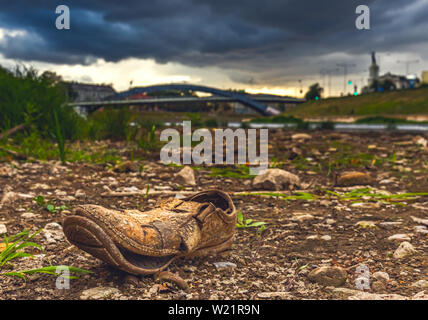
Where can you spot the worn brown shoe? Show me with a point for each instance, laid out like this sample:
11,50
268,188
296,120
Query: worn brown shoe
144,243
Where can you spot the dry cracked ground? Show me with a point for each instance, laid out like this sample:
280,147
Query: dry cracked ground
320,231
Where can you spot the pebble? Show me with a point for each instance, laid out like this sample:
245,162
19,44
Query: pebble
53,232
275,179
328,276
421,229
302,216
421,221
388,225
420,296
224,265
80,194
3,229
405,249
376,296
366,224
380,275
420,284
99,293
353,178
279,294
28,215
400,237
186,176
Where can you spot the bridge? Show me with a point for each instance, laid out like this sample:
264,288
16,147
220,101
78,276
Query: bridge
257,103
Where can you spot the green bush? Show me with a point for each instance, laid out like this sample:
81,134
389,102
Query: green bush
109,124
26,97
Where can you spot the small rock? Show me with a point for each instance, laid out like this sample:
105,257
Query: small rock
353,178
28,215
224,265
53,232
98,293
326,237
186,176
271,295
420,284
301,136
379,275
400,237
366,224
80,194
302,216
376,296
421,229
3,229
275,179
421,141
388,225
164,176
420,296
419,220
127,166
405,249
328,276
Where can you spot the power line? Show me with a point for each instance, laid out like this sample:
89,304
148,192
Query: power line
345,67
328,72
408,63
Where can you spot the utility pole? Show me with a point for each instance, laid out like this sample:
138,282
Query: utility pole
408,63
345,67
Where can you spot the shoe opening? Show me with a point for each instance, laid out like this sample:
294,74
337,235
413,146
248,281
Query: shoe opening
217,198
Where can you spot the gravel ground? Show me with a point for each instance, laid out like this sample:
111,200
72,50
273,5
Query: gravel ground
311,248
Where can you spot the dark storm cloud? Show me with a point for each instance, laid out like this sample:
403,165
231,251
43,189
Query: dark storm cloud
245,35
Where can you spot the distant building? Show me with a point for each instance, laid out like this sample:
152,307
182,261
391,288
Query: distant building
400,82
389,81
425,77
79,92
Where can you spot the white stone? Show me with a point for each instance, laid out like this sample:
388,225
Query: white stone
80,194
420,296
405,249
278,294
420,284
224,265
379,275
301,136
400,237
419,220
375,296
53,232
275,179
28,215
186,176
421,229
3,229
99,293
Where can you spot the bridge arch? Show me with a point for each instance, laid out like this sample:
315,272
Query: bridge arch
255,105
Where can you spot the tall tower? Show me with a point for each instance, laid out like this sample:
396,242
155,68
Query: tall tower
374,69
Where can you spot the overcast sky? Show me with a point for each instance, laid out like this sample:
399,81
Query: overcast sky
259,45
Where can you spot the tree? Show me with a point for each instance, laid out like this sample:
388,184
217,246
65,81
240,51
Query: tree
314,92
